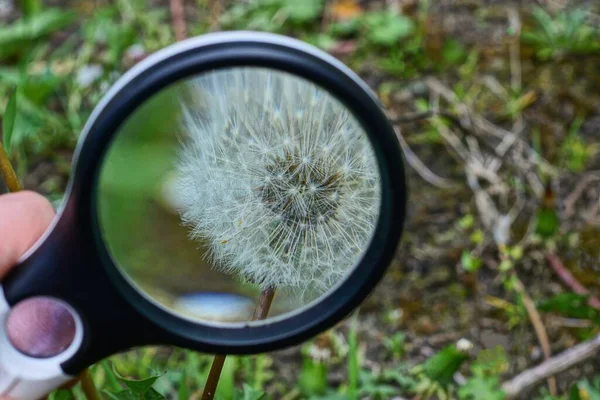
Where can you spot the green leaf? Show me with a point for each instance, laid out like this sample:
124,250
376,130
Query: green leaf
139,386
313,377
62,395
17,36
379,391
470,263
110,376
481,388
571,305
8,121
183,393
442,366
468,220
30,7
387,28
547,222
574,393
249,393
564,33
491,362
516,253
10,75
323,41
302,11
477,237
226,387
591,393
37,89
453,52
123,395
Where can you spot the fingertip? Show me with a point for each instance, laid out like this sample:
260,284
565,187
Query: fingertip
34,203
24,217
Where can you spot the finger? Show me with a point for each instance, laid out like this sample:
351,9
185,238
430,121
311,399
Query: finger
24,217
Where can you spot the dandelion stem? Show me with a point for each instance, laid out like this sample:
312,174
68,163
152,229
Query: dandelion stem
213,377
264,304
260,313
8,173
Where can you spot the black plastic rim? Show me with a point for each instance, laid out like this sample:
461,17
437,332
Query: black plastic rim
352,93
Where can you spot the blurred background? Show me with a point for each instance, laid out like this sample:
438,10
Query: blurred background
497,107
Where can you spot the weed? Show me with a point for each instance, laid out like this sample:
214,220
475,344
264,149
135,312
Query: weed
563,34
574,151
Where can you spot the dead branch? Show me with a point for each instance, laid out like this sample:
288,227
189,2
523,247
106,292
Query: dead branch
561,362
419,166
582,185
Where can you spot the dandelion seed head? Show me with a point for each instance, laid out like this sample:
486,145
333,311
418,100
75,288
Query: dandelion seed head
290,162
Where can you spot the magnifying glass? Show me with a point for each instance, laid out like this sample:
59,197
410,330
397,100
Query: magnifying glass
227,175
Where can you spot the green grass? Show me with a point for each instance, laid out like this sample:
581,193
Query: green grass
567,33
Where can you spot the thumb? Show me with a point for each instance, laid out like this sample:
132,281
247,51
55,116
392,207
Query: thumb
24,216
39,327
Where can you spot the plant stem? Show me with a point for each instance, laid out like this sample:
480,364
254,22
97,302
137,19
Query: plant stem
88,387
213,377
567,277
8,172
264,304
260,313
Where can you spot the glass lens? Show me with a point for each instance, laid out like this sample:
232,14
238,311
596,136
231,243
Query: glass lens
237,187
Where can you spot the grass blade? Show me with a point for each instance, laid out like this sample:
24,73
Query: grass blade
353,363
30,7
183,393
111,379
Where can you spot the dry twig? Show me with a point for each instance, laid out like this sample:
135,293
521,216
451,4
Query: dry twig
540,330
552,366
413,160
582,185
570,280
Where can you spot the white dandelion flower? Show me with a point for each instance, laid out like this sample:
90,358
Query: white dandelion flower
278,178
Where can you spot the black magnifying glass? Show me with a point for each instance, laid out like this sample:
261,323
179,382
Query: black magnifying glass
221,171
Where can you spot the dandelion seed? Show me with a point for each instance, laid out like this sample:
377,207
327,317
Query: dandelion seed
299,171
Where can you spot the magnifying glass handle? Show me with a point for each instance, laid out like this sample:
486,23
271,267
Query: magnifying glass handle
23,377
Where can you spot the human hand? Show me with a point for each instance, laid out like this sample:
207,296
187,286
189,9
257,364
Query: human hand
39,326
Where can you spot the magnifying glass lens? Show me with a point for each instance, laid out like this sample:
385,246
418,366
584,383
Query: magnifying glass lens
236,183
